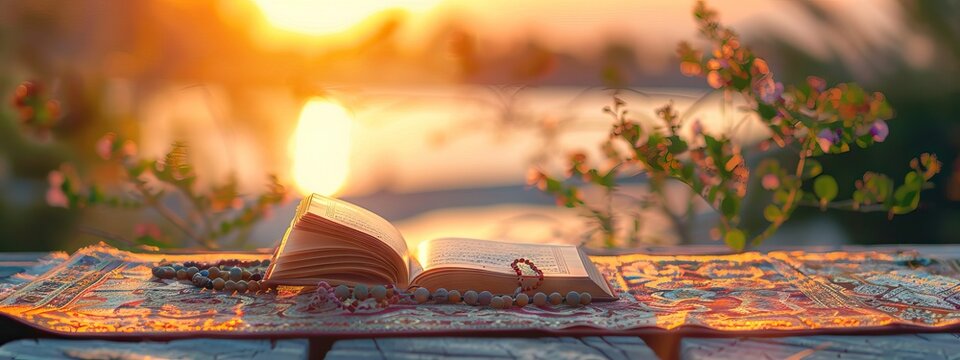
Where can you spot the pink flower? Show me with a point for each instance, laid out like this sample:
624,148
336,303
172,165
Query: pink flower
817,83
537,178
147,229
104,146
55,196
827,138
879,130
770,181
129,149
715,80
55,178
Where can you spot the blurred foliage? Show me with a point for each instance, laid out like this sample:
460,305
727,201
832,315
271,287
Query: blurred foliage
809,120
212,217
26,218
928,113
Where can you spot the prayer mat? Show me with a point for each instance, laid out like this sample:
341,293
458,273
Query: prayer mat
104,292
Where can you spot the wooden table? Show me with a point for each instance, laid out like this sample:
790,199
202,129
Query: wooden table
25,343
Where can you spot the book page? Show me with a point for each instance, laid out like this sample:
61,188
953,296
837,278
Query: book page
553,260
359,219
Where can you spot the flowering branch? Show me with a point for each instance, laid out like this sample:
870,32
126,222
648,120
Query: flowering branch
808,118
221,212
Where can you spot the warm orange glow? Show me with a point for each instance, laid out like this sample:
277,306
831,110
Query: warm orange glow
320,17
320,147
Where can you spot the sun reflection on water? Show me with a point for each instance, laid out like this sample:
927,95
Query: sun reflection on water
320,147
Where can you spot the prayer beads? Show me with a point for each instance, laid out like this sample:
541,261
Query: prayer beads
229,275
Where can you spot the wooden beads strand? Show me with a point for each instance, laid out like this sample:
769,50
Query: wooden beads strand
380,296
243,276
360,297
228,275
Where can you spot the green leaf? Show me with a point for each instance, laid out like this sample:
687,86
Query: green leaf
139,168
740,83
714,146
730,206
553,185
772,213
767,112
854,94
677,145
96,195
151,241
686,174
781,195
610,179
825,186
913,180
811,168
735,239
712,194
875,188
884,187
883,111
906,198
859,197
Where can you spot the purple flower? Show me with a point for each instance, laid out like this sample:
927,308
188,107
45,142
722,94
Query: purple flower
696,128
879,130
768,90
827,138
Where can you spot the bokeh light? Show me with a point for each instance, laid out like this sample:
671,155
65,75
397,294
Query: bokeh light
323,17
320,147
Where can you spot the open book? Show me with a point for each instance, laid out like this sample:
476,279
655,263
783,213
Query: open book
341,243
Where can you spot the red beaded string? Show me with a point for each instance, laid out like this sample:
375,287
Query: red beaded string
520,277
325,294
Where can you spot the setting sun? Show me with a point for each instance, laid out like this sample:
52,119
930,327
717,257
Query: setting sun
320,147
321,17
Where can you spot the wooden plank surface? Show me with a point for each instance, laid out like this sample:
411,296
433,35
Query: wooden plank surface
607,347
907,346
178,349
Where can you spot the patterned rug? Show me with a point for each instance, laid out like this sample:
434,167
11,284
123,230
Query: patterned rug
101,291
